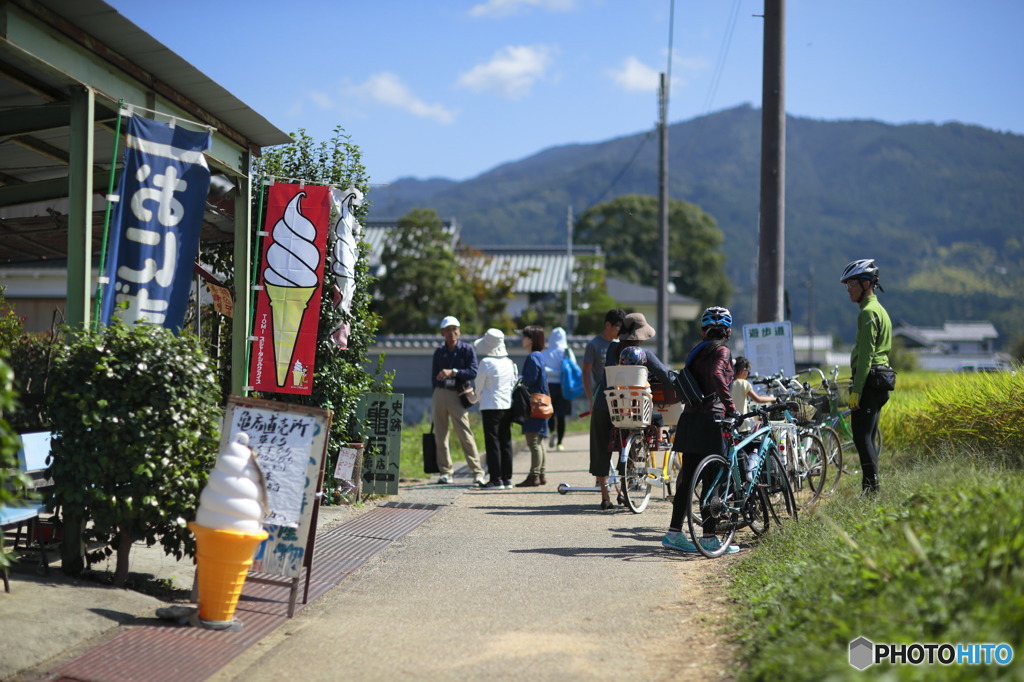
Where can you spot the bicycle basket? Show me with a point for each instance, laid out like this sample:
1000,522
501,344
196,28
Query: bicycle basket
807,410
629,407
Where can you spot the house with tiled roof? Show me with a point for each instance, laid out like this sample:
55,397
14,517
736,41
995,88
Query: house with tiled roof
953,347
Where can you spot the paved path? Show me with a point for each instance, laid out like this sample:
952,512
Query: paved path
525,583
520,584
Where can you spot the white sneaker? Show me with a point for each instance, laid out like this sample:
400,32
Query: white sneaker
447,478
480,479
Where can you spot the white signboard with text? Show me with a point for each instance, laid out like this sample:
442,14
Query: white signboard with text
769,347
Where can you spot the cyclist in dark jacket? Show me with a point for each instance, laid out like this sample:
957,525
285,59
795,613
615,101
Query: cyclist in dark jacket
699,433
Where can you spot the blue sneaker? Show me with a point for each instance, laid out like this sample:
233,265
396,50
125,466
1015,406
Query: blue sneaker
678,542
713,544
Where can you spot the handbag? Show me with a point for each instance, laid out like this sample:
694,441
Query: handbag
572,377
881,378
430,452
467,394
540,406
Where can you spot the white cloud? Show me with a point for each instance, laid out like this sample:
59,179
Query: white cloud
321,99
635,76
387,88
504,8
511,72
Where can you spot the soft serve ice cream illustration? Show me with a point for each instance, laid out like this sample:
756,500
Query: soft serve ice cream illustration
290,278
228,528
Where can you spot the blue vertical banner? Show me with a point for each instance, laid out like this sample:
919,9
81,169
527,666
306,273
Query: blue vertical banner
156,224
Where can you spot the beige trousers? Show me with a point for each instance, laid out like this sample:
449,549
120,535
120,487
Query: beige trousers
535,441
445,404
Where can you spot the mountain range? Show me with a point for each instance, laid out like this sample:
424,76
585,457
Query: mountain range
940,207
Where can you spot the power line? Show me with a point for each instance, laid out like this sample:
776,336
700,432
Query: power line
723,52
643,141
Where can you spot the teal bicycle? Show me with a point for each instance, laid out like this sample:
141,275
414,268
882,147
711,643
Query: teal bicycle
749,488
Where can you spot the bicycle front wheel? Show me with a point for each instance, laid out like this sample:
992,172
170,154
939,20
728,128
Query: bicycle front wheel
636,486
774,480
711,504
808,477
834,450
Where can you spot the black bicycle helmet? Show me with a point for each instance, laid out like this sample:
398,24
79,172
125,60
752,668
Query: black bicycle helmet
716,316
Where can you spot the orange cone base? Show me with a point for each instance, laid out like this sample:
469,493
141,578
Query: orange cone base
223,558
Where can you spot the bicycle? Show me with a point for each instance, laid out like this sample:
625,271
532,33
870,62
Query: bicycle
726,495
801,449
638,441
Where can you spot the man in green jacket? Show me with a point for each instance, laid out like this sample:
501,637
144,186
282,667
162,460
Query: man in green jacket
874,341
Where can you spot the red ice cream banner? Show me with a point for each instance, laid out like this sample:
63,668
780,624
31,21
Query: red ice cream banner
287,313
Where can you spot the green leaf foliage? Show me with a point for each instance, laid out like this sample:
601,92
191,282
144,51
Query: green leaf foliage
135,413
627,230
12,481
342,376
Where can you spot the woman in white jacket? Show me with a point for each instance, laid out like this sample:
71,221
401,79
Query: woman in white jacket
557,349
496,375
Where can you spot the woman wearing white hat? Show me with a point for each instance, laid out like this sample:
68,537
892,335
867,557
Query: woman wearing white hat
496,375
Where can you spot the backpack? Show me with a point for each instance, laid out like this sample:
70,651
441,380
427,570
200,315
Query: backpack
521,407
686,384
572,377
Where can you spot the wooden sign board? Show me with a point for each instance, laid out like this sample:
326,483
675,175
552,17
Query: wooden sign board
382,415
290,442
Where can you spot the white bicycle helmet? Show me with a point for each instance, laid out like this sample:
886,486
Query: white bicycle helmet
864,268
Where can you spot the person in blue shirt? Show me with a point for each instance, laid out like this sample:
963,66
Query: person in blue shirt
454,365
535,379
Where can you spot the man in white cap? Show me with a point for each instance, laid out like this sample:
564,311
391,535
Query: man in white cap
454,365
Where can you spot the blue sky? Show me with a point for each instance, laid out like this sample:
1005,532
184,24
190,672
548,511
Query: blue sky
453,88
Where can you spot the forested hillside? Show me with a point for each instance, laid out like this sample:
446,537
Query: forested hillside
941,207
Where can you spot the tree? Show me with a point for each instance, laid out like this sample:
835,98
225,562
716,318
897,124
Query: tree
423,280
341,379
626,229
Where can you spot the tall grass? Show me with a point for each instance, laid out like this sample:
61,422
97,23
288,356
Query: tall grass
937,556
957,411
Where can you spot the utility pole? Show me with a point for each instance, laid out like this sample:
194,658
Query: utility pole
663,326
772,232
810,316
570,319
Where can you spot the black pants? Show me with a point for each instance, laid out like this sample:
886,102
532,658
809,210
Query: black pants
695,432
863,424
556,424
498,442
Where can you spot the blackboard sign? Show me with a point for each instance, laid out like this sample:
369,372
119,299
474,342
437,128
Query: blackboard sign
289,442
